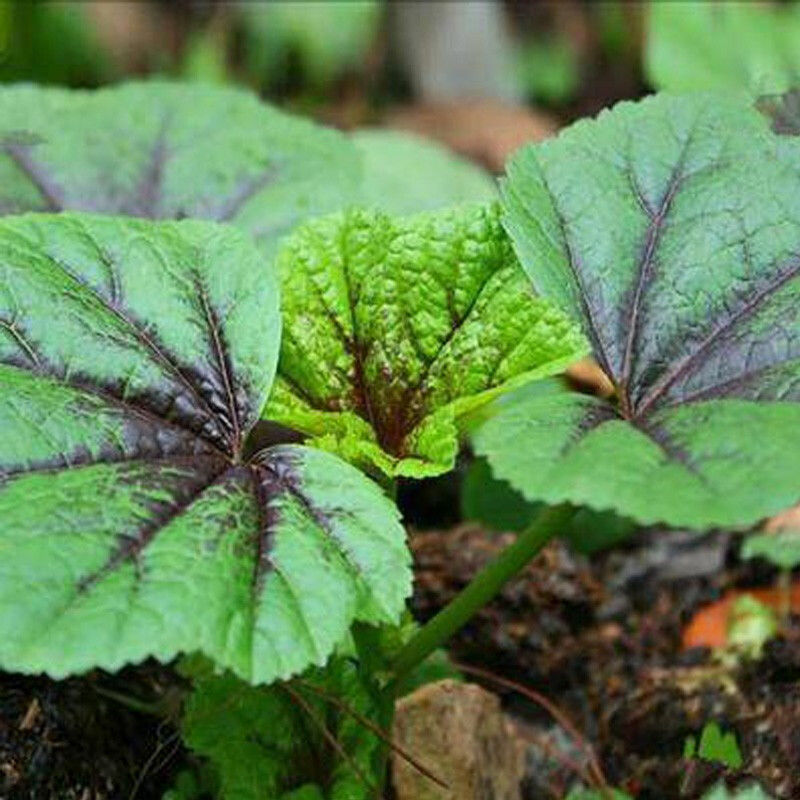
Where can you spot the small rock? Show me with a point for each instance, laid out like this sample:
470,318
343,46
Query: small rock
459,733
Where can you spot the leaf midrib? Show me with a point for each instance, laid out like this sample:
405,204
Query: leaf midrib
743,313
655,229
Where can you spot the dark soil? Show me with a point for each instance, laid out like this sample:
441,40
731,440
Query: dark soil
603,641
68,740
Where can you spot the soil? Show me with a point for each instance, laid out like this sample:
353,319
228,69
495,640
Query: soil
69,740
602,640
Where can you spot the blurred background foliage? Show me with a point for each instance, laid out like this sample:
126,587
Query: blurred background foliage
481,77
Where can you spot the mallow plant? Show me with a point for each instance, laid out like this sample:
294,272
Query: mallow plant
142,515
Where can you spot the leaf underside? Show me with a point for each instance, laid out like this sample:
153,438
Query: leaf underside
393,329
671,229
168,151
134,359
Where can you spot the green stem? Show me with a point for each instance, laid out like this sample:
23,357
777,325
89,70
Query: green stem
481,589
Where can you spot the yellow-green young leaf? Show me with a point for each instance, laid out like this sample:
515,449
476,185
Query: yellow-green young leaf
731,45
394,328
671,229
170,151
135,357
268,741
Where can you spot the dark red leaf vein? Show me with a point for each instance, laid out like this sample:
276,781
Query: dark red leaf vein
753,302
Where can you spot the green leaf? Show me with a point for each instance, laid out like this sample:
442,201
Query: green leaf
493,503
596,794
750,626
135,357
405,174
169,151
395,328
731,45
322,39
549,69
781,548
52,43
194,784
268,742
719,747
751,792
671,229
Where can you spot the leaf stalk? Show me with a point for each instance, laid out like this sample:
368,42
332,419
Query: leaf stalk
481,589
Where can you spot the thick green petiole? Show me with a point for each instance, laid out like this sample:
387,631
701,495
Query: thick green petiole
483,587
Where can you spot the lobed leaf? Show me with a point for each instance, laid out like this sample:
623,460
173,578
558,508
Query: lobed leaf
671,229
135,357
170,151
167,151
394,328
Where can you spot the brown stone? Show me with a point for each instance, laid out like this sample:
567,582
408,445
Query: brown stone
459,733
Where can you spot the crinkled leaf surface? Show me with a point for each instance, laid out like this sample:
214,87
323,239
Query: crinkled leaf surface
134,359
671,228
730,45
169,151
393,328
406,174
268,741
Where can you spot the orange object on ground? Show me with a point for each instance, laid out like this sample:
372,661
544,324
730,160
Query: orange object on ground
709,626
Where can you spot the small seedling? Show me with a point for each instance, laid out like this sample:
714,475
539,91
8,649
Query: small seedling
750,626
715,746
